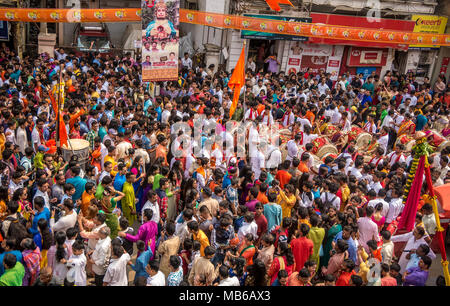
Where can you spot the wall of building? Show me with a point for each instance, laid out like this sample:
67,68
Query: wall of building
443,52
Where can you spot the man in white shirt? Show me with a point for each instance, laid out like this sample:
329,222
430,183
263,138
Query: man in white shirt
248,226
166,113
374,201
116,274
396,156
293,147
413,240
67,221
388,120
35,134
251,113
152,203
330,196
267,117
288,118
257,162
251,64
256,90
322,87
156,277
273,157
225,279
384,139
186,61
395,207
336,117
101,255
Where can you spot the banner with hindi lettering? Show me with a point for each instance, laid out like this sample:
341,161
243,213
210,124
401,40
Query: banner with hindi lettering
160,40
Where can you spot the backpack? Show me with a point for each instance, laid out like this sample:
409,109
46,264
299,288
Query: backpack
17,230
327,203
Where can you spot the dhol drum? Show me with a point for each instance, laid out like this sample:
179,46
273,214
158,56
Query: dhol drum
285,135
79,148
330,130
355,132
283,149
318,143
443,145
328,149
331,154
340,138
440,124
435,138
363,140
406,140
372,147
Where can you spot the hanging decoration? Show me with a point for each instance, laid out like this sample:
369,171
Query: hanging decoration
231,22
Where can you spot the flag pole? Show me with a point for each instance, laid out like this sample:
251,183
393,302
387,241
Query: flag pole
245,90
58,136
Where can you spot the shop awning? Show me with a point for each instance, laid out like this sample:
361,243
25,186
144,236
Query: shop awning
351,21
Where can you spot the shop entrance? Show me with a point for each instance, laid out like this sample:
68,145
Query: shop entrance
260,49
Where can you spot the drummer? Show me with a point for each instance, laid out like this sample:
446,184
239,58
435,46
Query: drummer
293,147
396,156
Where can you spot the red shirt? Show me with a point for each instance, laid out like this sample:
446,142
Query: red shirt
388,281
261,221
302,248
344,278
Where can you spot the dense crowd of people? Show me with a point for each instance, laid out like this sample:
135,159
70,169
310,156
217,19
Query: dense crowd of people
277,216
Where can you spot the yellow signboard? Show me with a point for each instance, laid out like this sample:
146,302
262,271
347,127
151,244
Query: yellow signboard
429,24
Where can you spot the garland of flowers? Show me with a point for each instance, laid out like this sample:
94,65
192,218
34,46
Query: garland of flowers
420,149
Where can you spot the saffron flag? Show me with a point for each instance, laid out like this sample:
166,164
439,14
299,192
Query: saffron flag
54,104
62,133
275,4
237,80
62,127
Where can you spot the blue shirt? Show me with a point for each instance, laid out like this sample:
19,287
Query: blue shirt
413,262
365,99
273,214
119,180
146,142
226,181
43,214
18,255
351,246
79,184
141,263
147,104
323,165
159,111
38,239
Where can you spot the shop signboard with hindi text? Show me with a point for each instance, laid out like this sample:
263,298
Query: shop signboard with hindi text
160,40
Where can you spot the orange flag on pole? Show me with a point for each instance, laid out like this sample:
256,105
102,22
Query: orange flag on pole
237,80
62,133
54,104
275,4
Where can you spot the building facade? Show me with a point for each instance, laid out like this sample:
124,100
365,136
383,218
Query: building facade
334,56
